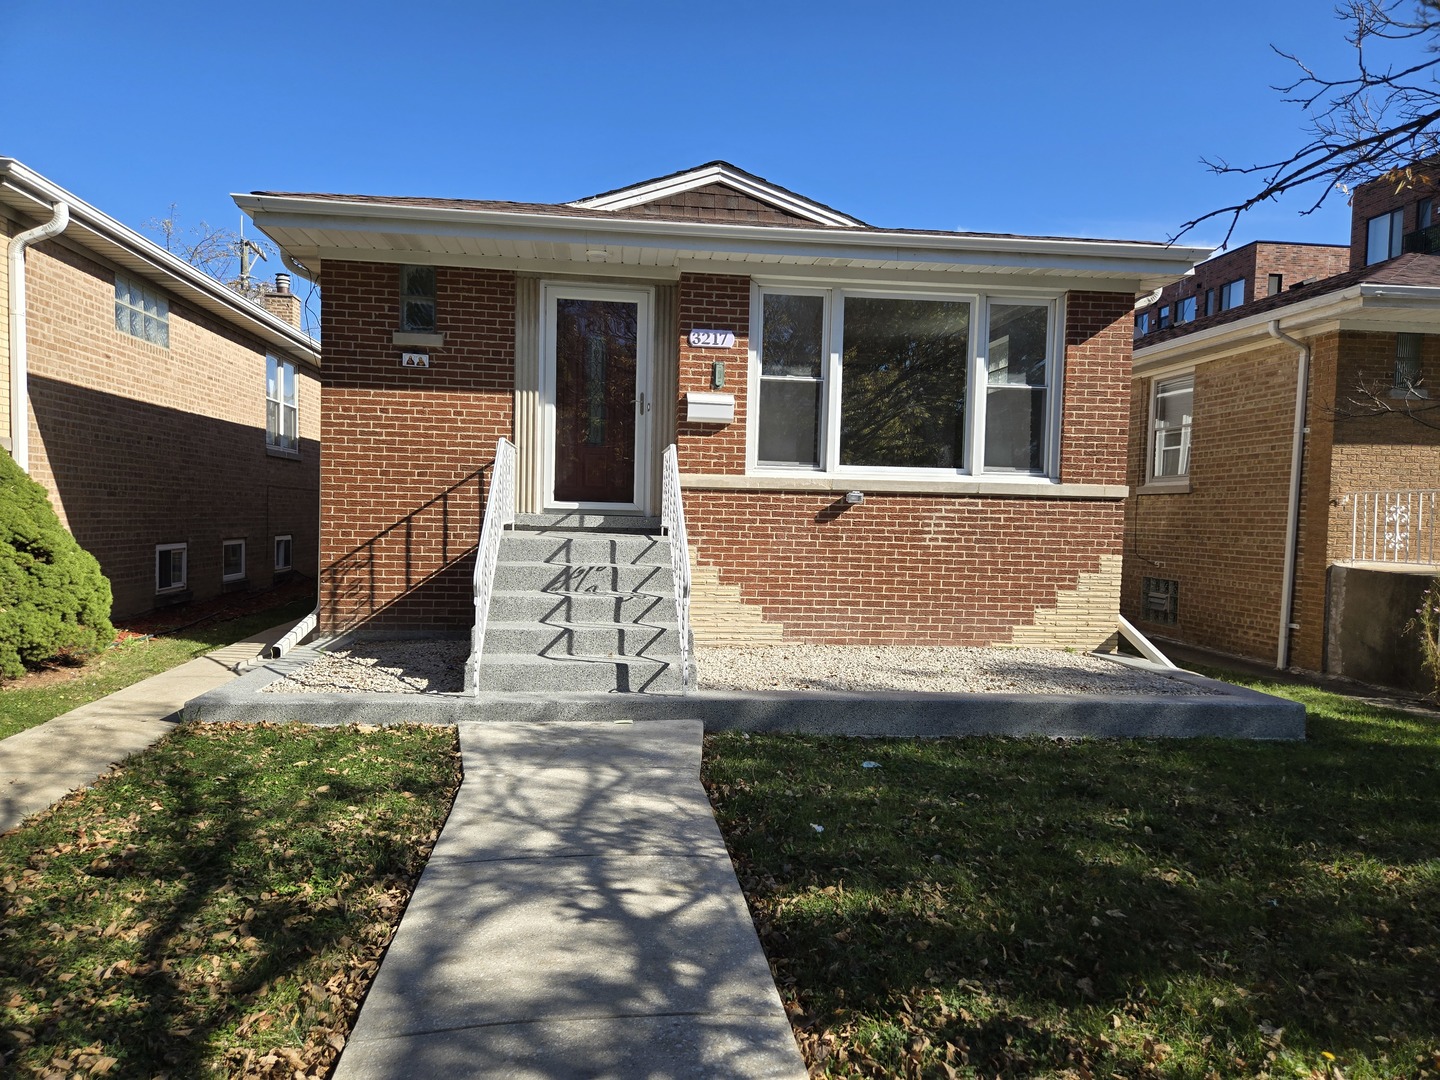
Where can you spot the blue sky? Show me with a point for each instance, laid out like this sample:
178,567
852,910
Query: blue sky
1040,117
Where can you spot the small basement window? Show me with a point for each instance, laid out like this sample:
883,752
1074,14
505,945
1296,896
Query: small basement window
170,567
282,553
1159,602
232,560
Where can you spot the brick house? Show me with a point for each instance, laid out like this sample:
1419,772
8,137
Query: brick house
174,422
1282,488
981,414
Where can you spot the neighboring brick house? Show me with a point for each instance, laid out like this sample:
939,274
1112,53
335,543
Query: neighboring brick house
1259,269
174,422
1235,543
982,412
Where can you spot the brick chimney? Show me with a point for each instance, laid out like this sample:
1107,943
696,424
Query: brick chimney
281,302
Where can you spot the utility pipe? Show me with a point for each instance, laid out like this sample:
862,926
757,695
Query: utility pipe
1292,509
19,352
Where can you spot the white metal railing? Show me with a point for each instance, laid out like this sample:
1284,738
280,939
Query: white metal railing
672,520
499,512
1394,526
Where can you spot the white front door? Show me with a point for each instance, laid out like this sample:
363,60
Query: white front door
596,397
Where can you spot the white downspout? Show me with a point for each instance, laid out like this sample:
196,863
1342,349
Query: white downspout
1292,509
19,353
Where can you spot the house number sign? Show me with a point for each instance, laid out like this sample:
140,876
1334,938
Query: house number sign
712,339
415,359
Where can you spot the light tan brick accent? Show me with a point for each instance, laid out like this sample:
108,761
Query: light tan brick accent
1082,617
718,615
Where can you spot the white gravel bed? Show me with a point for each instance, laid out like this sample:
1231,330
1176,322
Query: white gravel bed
927,669
438,667
382,667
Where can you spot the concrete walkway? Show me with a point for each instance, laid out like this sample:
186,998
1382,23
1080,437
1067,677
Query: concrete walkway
43,764
579,917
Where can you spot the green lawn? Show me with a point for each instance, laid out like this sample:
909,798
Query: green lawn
219,904
983,907
120,665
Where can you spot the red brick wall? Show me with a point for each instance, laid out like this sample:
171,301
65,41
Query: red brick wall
713,302
937,570
141,445
408,452
1382,196
1097,379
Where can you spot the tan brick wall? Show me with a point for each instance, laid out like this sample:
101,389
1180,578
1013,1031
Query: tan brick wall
409,452
141,445
7,230
1223,541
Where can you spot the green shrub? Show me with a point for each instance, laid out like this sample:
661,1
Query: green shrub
53,598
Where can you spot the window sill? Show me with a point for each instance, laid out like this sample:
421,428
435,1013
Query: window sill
412,337
275,451
1417,394
1037,487
1165,487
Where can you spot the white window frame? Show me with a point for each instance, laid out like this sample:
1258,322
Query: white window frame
1391,231
1154,447
972,467
174,586
224,544
277,372
289,542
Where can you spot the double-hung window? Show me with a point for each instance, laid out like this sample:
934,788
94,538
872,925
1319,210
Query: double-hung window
864,382
1170,411
1383,236
282,414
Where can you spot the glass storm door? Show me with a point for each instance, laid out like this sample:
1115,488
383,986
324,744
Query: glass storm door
599,367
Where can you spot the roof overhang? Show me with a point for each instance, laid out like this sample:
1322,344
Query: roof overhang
31,195
312,230
1366,306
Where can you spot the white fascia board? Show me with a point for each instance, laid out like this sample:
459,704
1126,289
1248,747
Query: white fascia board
125,246
1310,317
1135,261
675,185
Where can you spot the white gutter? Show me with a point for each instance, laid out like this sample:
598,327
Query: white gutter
19,350
1292,508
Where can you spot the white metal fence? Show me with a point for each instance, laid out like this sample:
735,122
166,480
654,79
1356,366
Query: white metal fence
499,512
1394,526
672,520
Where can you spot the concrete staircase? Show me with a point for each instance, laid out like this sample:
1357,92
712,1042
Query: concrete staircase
583,609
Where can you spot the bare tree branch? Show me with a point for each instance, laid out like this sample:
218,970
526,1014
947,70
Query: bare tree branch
1375,122
205,247
1370,400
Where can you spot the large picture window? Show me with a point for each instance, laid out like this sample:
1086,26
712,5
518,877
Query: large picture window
854,381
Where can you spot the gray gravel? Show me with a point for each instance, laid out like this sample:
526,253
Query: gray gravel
382,667
927,669
438,667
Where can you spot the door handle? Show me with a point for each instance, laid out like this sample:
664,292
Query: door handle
642,402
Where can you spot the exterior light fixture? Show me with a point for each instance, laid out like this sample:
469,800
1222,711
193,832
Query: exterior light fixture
854,498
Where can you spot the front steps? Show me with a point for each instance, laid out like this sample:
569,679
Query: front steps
582,610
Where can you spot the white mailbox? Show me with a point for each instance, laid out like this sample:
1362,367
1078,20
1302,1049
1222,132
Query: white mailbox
710,408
